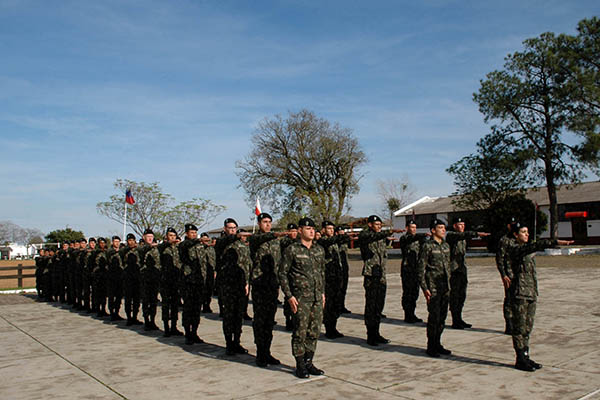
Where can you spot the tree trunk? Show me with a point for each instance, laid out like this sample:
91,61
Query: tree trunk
551,186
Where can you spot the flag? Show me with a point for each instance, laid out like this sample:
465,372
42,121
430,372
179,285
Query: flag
129,197
257,207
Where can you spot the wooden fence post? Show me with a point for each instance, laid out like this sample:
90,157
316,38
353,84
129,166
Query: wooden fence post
20,276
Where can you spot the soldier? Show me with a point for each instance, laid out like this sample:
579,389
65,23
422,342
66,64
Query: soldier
115,279
372,243
193,282
292,236
333,279
211,260
47,274
457,240
302,279
503,265
58,279
39,268
265,251
523,291
170,271
410,244
149,257
78,274
340,230
131,280
99,265
86,276
72,254
244,239
233,264
434,278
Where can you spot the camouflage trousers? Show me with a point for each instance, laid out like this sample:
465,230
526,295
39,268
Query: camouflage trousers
44,283
70,285
264,306
410,288
507,309
333,300
193,296
58,284
345,277
307,326
115,290
210,286
86,289
98,290
458,291
150,287
375,290
131,293
233,301
523,314
77,287
438,311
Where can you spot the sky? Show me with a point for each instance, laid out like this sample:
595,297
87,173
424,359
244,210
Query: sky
171,92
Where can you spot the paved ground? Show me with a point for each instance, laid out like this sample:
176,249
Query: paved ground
50,352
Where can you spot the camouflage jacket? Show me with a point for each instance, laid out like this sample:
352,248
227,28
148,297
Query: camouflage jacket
344,253
333,262
410,246
193,260
233,261
149,258
114,260
265,251
458,249
522,264
502,256
131,261
302,273
373,252
99,261
87,261
170,264
434,266
211,258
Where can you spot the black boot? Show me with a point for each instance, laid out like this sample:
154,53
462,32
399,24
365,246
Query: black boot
261,359
379,338
174,330
188,334
147,326
194,333
457,321
308,358
371,338
237,347
508,329
522,363
531,362
153,326
301,371
167,332
432,347
229,349
270,359
206,309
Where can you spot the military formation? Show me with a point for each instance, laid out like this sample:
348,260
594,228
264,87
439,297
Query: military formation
310,268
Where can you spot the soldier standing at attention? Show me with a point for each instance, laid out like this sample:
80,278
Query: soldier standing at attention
99,262
78,274
503,265
115,279
265,251
170,275
193,282
39,267
211,259
150,279
372,243
292,236
457,240
70,272
410,243
434,278
131,280
524,291
86,276
233,265
302,279
345,269
60,266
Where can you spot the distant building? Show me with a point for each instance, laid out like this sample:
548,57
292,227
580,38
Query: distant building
584,197
16,251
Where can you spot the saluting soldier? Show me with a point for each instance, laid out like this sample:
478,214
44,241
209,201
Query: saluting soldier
410,244
170,275
131,280
150,278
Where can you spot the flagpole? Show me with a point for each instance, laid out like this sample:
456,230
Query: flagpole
125,221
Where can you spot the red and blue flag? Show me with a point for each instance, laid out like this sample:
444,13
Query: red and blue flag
129,197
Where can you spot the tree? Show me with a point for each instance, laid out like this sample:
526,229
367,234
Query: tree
302,162
531,102
394,194
155,209
13,233
63,235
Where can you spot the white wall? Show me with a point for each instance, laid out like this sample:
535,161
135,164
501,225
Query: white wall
593,228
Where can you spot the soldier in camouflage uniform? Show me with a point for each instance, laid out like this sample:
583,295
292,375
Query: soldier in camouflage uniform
115,279
78,274
457,240
291,237
340,230
149,257
372,243
39,268
434,278
524,291
410,243
211,260
58,277
99,264
503,265
170,271
86,275
193,256
131,280
265,251
302,279
46,276
72,253
333,278
233,265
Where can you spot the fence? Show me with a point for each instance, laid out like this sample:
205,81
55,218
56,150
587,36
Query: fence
19,268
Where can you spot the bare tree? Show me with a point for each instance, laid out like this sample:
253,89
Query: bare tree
394,194
13,233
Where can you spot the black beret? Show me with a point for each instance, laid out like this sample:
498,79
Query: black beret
327,223
83,240
339,228
410,222
92,240
511,220
190,227
171,230
306,221
262,216
148,231
101,239
456,220
204,234
130,236
230,221
516,227
292,226
116,238
436,222
374,218
242,230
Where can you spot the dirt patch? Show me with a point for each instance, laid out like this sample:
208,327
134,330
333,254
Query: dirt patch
12,299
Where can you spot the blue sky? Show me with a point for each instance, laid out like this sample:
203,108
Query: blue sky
92,91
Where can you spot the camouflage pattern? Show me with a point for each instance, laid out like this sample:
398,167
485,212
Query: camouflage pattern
523,314
131,281
114,280
150,278
410,245
99,277
78,277
458,267
170,274
503,265
192,280
345,272
233,265
373,251
285,242
39,268
58,275
265,251
434,275
211,261
302,275
70,275
86,279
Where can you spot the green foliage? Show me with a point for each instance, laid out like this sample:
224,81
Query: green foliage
63,235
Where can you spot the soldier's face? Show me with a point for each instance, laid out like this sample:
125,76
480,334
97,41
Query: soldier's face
230,228
65,246
411,228
329,230
307,233
317,235
76,245
92,245
459,227
523,235
82,245
116,243
102,245
265,225
205,239
131,243
149,238
172,237
293,233
375,226
439,231
191,234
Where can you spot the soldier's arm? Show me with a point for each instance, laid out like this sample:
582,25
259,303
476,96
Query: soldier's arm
501,258
422,264
286,264
521,250
258,239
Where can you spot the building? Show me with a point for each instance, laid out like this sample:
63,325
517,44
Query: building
583,199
